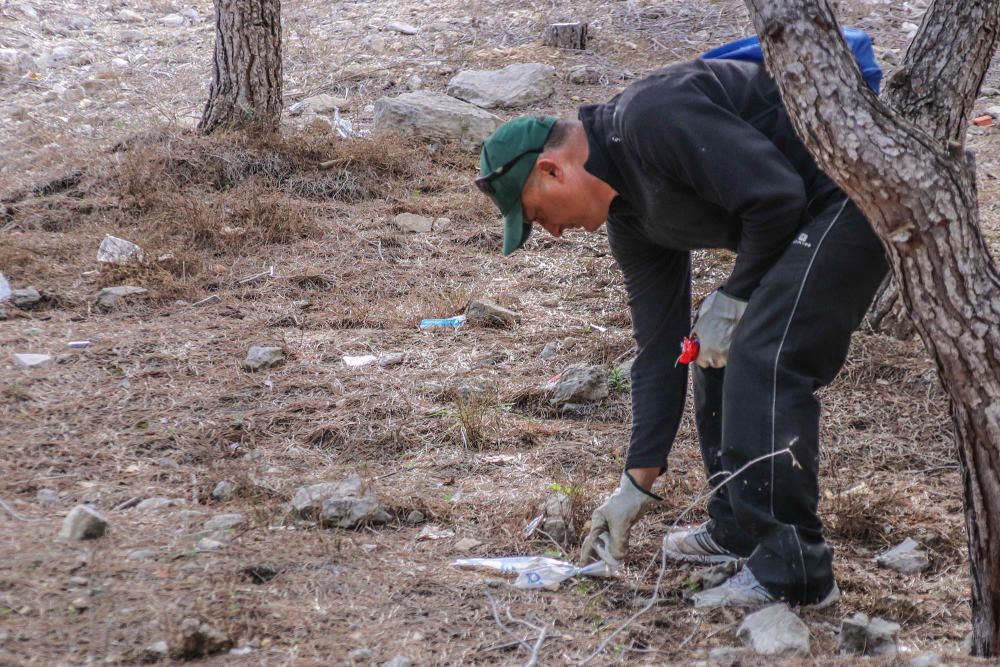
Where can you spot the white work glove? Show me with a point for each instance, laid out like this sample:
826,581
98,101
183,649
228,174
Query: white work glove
714,326
614,520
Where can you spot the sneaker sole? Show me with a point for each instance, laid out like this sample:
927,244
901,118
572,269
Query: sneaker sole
707,559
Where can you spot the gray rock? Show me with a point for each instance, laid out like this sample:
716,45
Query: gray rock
346,504
415,518
583,75
550,350
204,544
775,630
435,117
224,490
556,524
155,652
361,655
402,28
580,383
260,357
728,656
398,661
129,16
172,20
513,86
207,301
156,503
114,250
83,523
322,104
29,360
391,359
200,639
113,297
907,558
25,298
47,496
130,37
488,314
225,522
861,636
414,224
927,659
141,554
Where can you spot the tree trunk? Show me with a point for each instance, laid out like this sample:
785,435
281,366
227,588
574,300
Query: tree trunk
246,67
888,315
910,175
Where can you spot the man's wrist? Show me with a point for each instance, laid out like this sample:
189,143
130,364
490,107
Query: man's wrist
643,478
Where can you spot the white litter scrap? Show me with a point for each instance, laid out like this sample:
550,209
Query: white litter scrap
540,571
342,126
363,360
114,250
4,288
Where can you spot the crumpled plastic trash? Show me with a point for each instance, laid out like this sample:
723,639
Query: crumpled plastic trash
114,250
454,322
4,288
541,571
362,360
342,126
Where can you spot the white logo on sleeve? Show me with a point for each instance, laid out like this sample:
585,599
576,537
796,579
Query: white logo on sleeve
802,240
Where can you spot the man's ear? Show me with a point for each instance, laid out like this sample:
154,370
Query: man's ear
550,167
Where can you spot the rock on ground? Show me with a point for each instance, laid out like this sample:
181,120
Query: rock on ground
225,522
488,314
415,518
414,224
224,490
861,636
513,86
556,509
775,630
29,360
349,503
728,656
398,661
83,523
583,75
114,250
260,357
361,655
113,297
580,383
906,558
436,117
200,639
25,298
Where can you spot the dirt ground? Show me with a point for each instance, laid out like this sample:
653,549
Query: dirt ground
99,109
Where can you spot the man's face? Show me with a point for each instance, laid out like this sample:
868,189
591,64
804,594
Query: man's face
559,199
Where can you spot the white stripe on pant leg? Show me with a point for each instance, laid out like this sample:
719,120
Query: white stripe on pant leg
781,344
774,383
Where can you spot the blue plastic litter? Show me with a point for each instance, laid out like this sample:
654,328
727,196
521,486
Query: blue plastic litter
748,48
453,322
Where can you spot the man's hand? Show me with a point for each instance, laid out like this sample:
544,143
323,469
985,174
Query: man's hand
615,518
714,326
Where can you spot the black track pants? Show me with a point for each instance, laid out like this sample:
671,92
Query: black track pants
792,340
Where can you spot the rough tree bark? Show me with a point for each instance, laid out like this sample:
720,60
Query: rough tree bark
908,171
246,67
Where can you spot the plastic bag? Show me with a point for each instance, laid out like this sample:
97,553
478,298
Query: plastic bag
454,322
540,571
4,288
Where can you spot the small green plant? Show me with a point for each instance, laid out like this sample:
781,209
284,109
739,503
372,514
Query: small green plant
554,553
584,587
617,381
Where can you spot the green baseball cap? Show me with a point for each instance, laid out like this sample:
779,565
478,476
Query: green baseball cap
506,161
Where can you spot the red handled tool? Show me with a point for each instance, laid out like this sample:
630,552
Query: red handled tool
689,351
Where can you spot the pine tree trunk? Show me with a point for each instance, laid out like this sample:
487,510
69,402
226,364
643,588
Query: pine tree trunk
888,315
909,173
246,68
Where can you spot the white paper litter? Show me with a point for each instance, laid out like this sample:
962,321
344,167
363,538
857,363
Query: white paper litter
540,571
363,360
4,288
114,250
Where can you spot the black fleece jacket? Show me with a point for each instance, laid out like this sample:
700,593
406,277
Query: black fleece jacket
702,155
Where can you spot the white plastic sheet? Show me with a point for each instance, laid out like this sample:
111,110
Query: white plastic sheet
540,571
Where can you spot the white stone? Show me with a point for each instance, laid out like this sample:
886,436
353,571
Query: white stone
391,359
260,357
414,224
83,523
47,496
436,117
579,383
345,504
29,360
775,630
225,522
172,20
153,504
323,104
402,28
467,544
129,16
513,86
112,297
906,558
861,636
488,314
141,554
358,361
398,661
224,490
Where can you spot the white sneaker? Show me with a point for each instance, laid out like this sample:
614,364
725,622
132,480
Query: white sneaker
743,590
695,545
